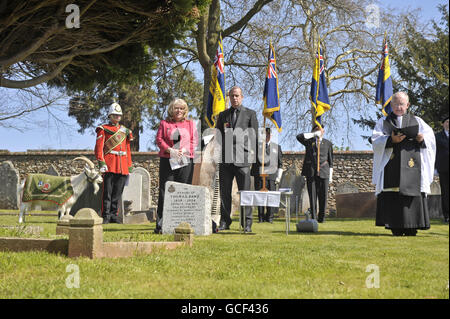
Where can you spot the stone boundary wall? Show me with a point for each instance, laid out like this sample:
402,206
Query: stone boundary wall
349,166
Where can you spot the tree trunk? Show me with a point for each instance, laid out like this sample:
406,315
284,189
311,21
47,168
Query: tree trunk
131,117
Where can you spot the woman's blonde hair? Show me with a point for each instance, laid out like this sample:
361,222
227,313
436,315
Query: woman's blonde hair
171,107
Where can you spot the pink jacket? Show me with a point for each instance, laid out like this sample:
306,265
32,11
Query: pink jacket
188,136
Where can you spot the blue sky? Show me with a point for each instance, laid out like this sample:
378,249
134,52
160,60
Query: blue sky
40,130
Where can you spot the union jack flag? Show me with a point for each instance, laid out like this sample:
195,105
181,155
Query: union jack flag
271,94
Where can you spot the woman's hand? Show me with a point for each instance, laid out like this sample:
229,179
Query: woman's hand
174,153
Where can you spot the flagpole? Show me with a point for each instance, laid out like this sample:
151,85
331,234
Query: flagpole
263,174
320,126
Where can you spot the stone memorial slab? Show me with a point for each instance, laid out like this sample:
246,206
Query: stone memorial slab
293,179
356,205
52,171
206,173
187,203
346,188
10,179
136,191
133,192
146,198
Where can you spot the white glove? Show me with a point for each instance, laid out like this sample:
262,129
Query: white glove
103,169
279,175
311,135
331,175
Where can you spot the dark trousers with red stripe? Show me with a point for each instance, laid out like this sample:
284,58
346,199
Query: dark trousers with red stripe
113,185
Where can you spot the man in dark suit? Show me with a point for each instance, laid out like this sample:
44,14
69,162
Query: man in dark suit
238,126
272,167
317,180
442,165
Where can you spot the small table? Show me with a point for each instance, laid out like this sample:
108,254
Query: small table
267,199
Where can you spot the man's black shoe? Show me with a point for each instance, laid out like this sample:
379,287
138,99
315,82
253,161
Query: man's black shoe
248,230
224,227
158,231
105,221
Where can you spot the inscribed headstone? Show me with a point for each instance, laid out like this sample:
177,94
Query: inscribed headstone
187,203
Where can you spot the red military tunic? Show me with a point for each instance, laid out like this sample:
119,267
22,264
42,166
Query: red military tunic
114,152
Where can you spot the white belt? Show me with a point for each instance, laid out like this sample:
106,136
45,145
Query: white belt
392,189
120,153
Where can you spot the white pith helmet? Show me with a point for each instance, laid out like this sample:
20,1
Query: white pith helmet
115,109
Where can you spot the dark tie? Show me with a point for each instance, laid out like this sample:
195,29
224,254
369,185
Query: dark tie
234,118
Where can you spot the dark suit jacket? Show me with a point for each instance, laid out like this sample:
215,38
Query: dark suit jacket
237,138
441,152
274,153
310,163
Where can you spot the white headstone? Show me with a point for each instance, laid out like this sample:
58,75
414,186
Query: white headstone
137,190
146,198
187,203
133,191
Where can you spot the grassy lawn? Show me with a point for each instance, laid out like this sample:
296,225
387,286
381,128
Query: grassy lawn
266,264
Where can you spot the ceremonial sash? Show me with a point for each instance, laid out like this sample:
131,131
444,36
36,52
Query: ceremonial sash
115,140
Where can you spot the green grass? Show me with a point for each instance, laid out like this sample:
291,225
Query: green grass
266,264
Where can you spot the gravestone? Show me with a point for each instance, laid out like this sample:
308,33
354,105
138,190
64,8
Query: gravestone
187,203
434,201
356,205
206,174
137,191
293,179
346,188
52,171
9,177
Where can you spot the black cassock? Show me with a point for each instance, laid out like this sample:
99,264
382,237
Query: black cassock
401,205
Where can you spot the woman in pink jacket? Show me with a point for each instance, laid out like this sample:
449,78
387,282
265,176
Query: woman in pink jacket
177,139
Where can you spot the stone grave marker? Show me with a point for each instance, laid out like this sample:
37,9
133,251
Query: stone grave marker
138,192
293,179
187,203
10,179
356,205
434,201
346,188
52,171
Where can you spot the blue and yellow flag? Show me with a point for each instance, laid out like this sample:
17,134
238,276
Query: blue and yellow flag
216,97
319,91
384,92
271,94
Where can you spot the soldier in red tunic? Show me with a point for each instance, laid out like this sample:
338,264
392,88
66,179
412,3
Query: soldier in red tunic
112,150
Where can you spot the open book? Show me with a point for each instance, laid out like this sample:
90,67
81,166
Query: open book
410,131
